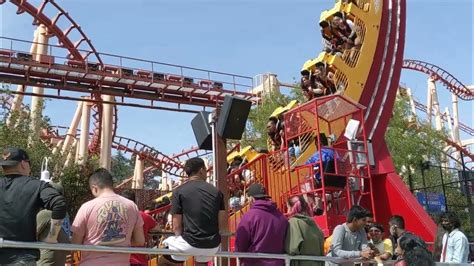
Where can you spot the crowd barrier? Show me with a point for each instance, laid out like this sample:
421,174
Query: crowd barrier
156,251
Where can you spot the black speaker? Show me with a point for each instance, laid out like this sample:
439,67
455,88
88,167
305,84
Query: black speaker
202,130
232,118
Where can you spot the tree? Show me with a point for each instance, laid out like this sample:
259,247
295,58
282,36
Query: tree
74,178
256,133
121,167
411,143
18,136
418,154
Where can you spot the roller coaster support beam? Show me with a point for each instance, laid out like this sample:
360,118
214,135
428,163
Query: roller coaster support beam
412,117
37,101
106,137
456,136
71,133
455,130
18,99
76,150
57,147
433,94
138,173
219,148
71,153
84,139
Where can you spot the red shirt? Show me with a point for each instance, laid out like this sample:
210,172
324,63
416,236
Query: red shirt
148,224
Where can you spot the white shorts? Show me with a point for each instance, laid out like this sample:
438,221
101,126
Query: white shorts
177,243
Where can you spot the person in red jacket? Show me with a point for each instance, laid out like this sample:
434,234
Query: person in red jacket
262,229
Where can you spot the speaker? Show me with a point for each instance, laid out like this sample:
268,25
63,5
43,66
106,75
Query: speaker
202,130
232,118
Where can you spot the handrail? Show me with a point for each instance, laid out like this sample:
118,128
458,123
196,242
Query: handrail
159,251
138,60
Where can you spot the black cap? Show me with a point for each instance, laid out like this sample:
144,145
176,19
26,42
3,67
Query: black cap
13,156
318,64
257,191
338,14
324,24
304,72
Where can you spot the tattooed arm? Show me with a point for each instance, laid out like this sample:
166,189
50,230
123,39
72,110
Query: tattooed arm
55,227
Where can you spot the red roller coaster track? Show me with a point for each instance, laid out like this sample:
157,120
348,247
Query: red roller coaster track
183,155
41,18
73,47
159,160
451,83
127,145
465,128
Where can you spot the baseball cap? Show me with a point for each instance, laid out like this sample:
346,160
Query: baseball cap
257,191
13,156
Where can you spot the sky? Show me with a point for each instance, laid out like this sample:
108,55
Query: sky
246,38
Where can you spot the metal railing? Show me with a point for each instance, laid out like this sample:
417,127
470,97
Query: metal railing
220,255
157,251
238,84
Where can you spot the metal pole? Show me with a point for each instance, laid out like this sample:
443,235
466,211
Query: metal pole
468,191
410,180
424,185
212,121
444,189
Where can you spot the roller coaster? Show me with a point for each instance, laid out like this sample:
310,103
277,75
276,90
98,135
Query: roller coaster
366,79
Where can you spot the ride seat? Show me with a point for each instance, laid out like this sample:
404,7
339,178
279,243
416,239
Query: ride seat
6,53
205,83
143,74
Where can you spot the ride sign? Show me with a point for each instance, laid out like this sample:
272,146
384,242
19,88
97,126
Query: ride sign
432,202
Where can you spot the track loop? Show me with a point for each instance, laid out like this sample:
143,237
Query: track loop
41,18
441,75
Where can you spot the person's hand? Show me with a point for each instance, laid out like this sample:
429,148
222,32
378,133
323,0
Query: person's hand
376,251
50,240
70,259
367,253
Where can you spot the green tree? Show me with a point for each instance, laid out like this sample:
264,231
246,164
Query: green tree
74,178
412,143
256,133
417,151
121,167
18,136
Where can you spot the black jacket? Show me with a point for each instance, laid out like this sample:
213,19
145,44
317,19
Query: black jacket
21,198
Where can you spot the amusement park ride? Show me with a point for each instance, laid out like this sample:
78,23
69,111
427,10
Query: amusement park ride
368,80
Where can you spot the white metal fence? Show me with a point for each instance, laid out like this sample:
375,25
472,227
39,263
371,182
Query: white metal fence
154,251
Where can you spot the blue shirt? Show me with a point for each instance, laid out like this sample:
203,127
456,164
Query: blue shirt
457,250
327,155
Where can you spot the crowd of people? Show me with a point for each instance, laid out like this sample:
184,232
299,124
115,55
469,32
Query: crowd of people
31,210
199,220
339,34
